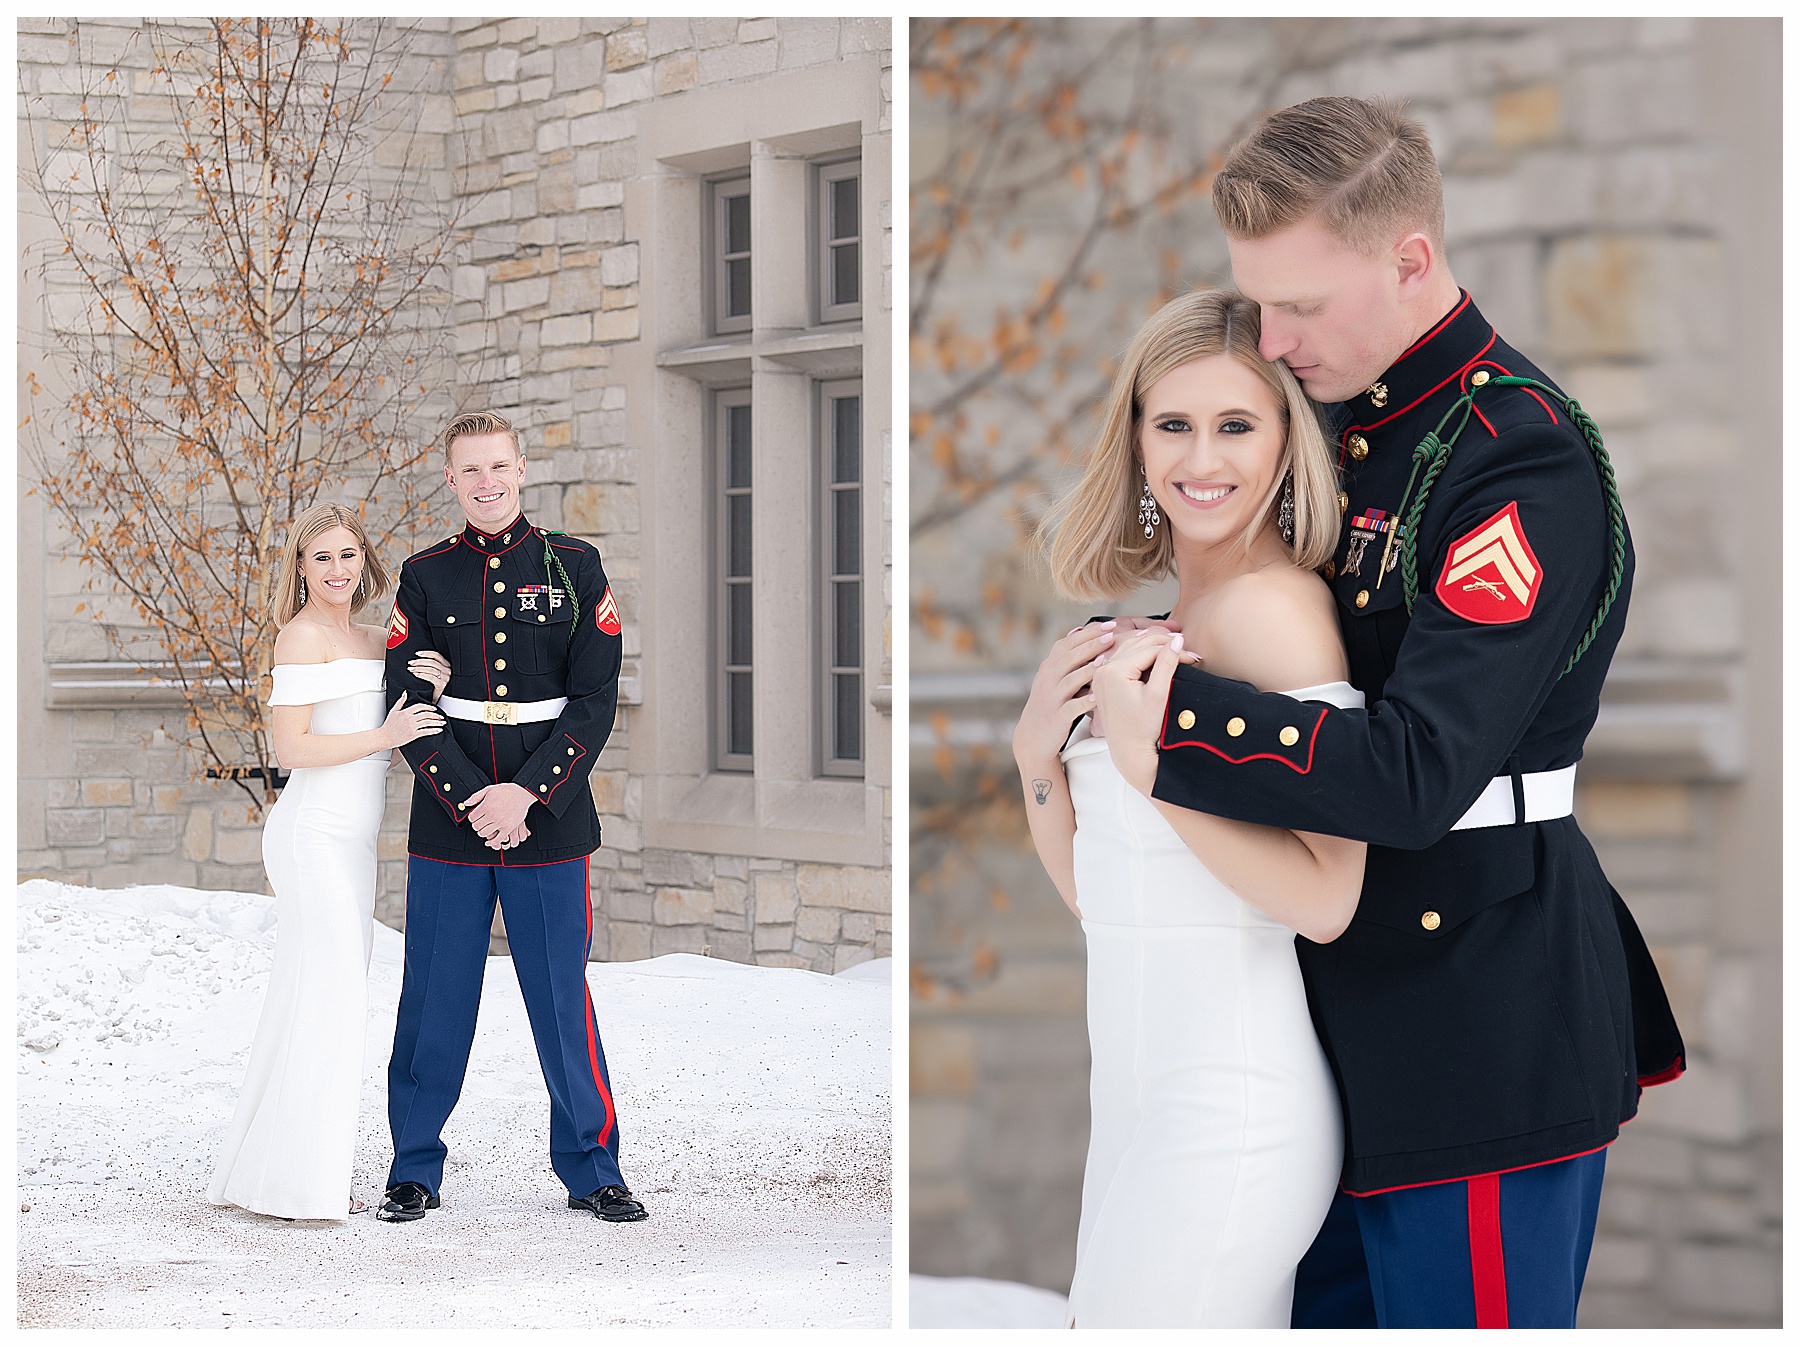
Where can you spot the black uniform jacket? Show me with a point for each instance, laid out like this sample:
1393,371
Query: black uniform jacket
1492,1004
499,609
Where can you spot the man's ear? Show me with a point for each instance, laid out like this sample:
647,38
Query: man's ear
1415,258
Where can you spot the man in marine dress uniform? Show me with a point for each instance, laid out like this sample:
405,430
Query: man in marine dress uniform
502,811
1491,1014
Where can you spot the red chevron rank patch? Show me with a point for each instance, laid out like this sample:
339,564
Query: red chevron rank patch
396,628
1491,575
606,616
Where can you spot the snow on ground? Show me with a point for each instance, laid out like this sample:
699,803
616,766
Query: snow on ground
968,1301
754,1106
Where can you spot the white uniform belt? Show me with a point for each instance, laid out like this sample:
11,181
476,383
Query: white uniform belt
1548,794
502,712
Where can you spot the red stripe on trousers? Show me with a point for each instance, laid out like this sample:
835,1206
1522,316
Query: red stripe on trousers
587,905
1487,1258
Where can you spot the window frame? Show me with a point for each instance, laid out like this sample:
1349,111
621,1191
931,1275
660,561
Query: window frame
826,669
719,191
724,400
824,174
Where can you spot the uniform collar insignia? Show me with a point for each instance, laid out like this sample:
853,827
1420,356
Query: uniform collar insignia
1430,365
516,531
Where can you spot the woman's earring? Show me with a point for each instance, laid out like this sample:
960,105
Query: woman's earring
303,591
1284,516
1147,514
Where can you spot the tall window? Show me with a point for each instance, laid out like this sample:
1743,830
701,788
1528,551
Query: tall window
731,255
841,689
733,644
840,241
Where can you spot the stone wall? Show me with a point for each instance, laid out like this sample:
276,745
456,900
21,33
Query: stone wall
531,126
1612,205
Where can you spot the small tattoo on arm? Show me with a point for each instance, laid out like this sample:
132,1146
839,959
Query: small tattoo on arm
1041,788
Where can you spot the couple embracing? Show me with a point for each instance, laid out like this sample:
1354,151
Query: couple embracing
520,624
1365,1012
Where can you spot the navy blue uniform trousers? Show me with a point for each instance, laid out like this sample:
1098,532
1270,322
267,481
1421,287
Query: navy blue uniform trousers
549,927
1502,1250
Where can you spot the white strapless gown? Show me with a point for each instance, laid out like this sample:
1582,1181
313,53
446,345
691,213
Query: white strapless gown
1217,1137
293,1139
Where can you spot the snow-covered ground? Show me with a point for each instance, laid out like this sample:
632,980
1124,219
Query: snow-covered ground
754,1106
969,1301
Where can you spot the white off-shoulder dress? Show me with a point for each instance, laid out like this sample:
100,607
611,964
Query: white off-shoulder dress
292,1141
1217,1136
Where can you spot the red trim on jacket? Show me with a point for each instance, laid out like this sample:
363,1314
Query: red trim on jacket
1344,439
1439,1182
1311,743
1664,1075
1442,323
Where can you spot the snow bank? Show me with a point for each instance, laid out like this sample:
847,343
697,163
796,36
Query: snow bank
753,1102
968,1301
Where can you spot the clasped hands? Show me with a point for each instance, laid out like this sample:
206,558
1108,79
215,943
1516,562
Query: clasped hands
498,814
1131,696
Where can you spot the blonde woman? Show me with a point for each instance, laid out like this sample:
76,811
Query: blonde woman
292,1141
1216,1138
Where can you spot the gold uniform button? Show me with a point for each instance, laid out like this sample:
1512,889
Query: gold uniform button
499,665
451,620
500,690
556,771
500,637
499,586
1185,719
1343,502
446,787
493,563
571,752
1331,570
432,770
1479,377
1359,447
540,616
1362,598
1235,726
543,787
1289,736
499,612
1431,920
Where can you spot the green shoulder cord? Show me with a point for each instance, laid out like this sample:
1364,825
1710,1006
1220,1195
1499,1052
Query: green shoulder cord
1433,454
552,559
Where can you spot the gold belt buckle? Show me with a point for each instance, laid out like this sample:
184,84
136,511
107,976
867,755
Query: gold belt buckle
500,712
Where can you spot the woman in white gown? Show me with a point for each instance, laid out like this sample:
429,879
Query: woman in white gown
291,1143
1216,1134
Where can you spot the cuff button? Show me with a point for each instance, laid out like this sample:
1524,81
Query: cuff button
1289,736
1185,719
1235,726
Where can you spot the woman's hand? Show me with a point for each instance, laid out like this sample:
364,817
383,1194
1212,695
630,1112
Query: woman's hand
430,666
1060,695
1132,706
404,723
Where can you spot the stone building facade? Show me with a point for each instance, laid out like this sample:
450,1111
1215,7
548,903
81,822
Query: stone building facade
583,156
1612,193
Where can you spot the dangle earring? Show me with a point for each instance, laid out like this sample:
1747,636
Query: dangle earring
1147,514
303,591
1284,515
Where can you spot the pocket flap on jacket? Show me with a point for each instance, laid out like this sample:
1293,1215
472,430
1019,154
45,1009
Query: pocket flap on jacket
1429,893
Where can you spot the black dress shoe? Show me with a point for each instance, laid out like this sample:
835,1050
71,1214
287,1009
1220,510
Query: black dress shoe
407,1201
610,1203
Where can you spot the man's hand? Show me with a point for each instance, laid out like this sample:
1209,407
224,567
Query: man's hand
497,811
1133,707
509,840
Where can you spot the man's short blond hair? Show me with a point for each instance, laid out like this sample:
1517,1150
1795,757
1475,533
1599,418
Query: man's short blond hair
1362,167
480,423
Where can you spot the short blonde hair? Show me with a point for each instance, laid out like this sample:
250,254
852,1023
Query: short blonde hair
480,423
1092,539
371,588
1363,167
